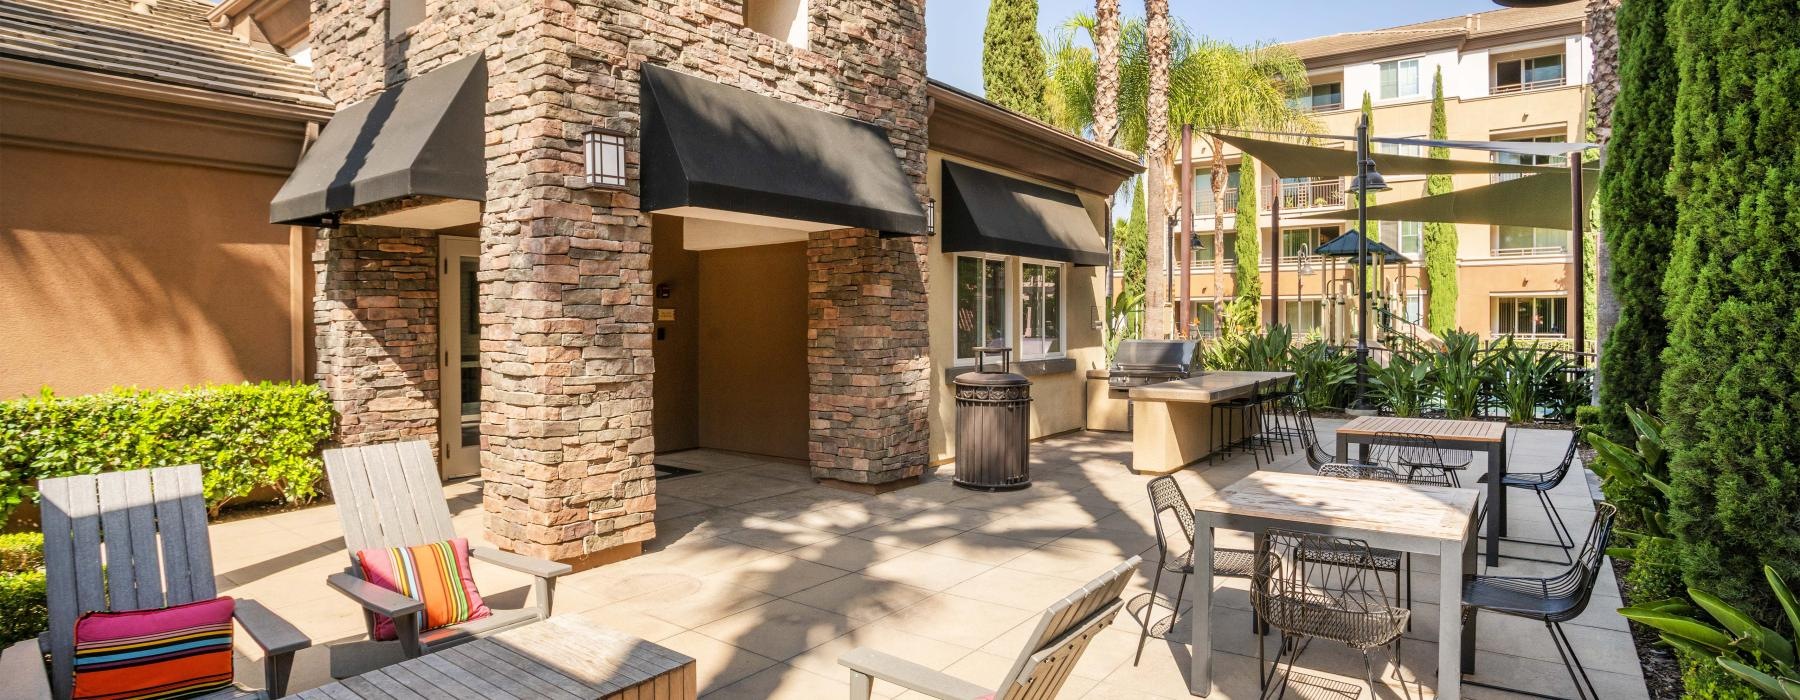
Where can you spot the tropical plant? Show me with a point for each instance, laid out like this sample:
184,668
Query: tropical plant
1012,58
1250,350
1403,385
1523,375
1125,316
1323,371
1458,371
1440,236
1634,477
1729,381
1760,655
1106,72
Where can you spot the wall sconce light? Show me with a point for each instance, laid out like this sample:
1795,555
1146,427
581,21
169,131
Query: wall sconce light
605,150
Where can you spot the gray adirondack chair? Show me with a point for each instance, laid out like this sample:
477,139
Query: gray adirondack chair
389,495
1062,634
132,540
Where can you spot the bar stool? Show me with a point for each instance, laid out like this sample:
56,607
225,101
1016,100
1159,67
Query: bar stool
1234,416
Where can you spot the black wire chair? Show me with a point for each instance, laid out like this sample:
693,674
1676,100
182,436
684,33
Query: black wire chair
1178,558
1418,456
1552,600
1300,588
1327,464
1542,483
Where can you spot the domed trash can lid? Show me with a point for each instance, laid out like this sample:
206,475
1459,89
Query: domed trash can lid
982,377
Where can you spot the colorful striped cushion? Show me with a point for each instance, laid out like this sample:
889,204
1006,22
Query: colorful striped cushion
174,652
436,573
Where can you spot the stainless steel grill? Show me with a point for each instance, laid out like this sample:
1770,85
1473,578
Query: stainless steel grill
1141,362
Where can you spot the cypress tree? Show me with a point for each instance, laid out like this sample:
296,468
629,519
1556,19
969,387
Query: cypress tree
1246,302
1637,213
1013,69
1731,378
1130,239
1440,237
1368,115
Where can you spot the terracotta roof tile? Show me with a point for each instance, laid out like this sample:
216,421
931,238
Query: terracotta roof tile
173,44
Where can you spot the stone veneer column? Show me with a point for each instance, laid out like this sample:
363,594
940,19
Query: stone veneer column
868,356
375,325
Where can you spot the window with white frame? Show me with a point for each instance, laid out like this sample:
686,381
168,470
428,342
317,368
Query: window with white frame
1412,307
1298,243
1402,149
980,304
1408,237
1532,317
1529,240
1301,316
1399,78
1534,73
1040,309
1319,97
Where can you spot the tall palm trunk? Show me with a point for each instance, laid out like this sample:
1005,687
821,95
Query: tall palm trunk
1219,178
1106,74
1159,315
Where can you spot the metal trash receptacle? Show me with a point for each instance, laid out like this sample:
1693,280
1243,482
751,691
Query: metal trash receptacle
993,426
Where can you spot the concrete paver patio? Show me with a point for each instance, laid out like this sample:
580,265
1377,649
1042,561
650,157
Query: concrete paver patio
766,578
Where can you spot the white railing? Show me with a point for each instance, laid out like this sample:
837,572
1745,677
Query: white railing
1506,88
1530,251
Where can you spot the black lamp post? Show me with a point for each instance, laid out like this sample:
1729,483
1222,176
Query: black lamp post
1367,180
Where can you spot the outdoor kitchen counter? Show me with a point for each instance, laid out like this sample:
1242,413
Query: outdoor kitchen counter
1172,421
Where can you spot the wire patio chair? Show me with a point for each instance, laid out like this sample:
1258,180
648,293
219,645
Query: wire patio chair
1418,456
1301,588
1177,558
1552,600
1541,484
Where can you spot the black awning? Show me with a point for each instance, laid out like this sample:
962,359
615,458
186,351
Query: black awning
993,213
717,147
422,137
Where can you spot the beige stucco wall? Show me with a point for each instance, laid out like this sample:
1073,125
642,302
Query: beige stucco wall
1059,400
135,247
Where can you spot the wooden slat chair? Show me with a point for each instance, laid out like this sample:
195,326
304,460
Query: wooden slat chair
132,540
389,495
1062,634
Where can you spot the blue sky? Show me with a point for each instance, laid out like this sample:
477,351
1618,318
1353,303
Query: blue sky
953,27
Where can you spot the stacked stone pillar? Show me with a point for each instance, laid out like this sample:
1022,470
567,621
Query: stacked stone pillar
375,316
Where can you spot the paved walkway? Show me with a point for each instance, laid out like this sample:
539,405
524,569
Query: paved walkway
766,578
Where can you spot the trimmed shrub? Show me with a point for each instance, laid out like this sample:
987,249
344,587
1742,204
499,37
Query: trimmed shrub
23,610
1246,303
1655,570
1704,679
243,436
1440,237
1729,384
1012,58
1587,417
1637,213
21,551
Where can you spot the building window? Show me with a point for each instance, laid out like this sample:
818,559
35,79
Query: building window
1401,149
1203,322
1203,194
1319,97
783,19
1531,317
1408,237
1301,242
1399,78
1529,240
403,15
1040,299
1301,316
1203,249
1412,308
980,304
1535,73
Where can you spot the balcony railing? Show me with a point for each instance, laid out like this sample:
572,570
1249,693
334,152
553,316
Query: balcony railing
1505,88
1312,194
1529,251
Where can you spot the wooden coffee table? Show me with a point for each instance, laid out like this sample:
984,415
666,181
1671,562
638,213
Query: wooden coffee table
563,658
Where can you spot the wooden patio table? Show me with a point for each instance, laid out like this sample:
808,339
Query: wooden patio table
1430,520
562,658
1486,437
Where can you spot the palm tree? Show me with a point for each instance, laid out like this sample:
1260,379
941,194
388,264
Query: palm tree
1238,88
1212,84
1106,75
1159,316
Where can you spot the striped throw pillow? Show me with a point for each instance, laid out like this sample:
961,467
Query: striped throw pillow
173,652
436,574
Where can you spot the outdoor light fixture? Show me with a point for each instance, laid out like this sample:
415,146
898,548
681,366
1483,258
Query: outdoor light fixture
605,150
1370,180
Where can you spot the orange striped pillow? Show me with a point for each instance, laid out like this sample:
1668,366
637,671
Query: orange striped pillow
436,574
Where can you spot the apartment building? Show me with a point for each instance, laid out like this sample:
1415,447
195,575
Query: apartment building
1510,74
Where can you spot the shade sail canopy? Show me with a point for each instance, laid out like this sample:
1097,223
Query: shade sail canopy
1536,148
710,146
1539,200
992,213
422,137
1344,246
1296,160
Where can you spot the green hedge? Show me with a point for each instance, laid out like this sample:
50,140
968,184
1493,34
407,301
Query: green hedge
243,436
22,608
21,551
